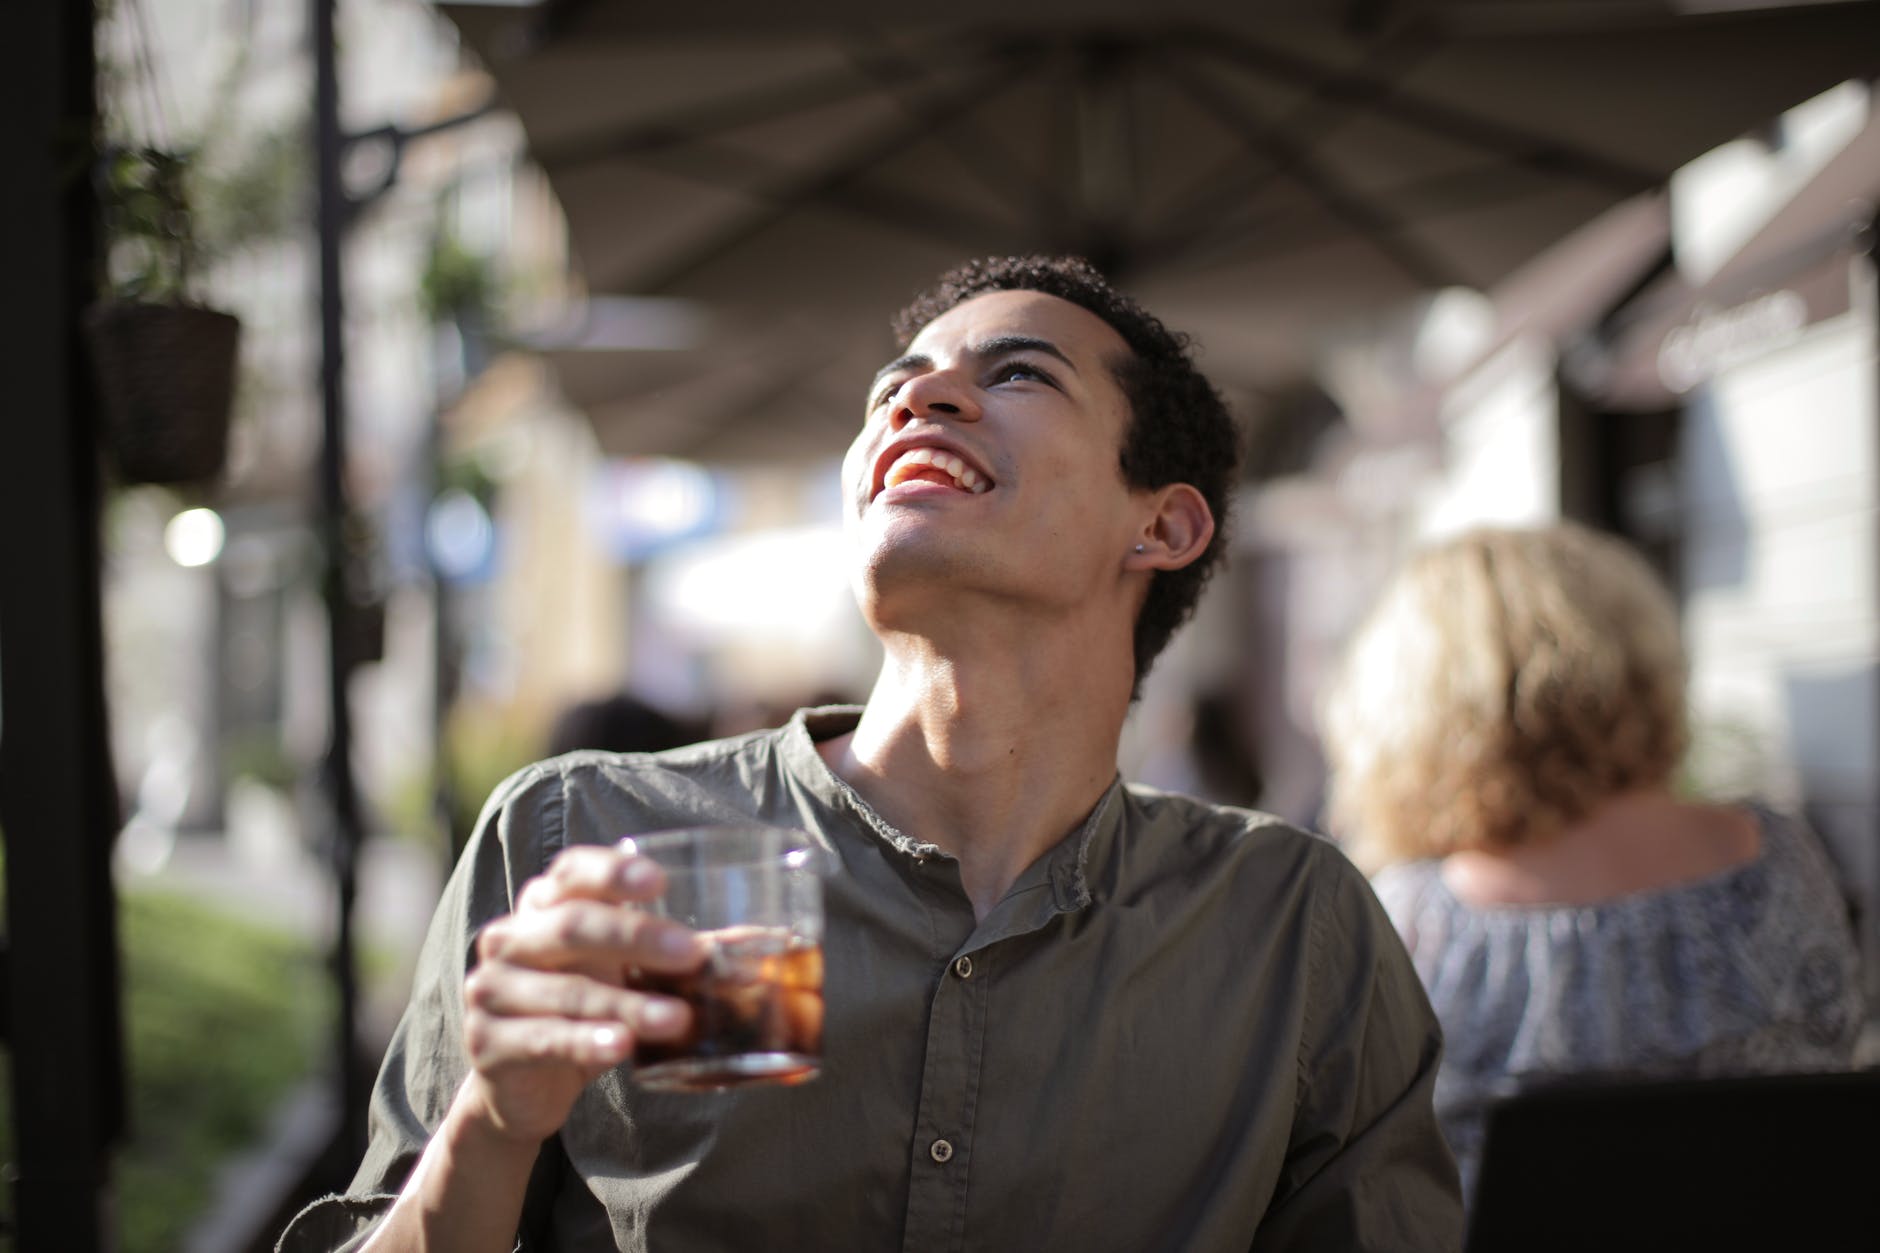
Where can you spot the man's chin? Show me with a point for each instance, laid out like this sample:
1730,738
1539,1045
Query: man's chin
919,569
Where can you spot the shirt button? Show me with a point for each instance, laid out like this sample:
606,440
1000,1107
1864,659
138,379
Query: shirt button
963,967
941,1151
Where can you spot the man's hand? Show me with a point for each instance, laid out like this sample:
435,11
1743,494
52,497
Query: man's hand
547,1008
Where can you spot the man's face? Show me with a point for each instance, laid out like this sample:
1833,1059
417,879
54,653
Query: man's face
988,460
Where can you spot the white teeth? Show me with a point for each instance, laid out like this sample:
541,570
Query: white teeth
968,478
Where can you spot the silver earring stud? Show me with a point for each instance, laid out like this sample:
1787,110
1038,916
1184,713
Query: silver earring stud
1141,548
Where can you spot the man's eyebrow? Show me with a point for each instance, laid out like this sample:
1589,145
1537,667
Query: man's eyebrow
999,345
912,361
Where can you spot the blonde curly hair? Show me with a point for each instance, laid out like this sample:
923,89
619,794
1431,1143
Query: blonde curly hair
1506,683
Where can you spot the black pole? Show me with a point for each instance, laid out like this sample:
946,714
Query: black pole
447,811
342,795
58,797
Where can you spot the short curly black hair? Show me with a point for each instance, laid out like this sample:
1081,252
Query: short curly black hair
1179,431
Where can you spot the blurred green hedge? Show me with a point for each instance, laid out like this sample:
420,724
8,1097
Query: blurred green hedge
223,1017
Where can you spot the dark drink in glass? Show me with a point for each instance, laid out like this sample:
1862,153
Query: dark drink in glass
757,1010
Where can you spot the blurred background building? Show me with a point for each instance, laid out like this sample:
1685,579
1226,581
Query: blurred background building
613,279
1694,370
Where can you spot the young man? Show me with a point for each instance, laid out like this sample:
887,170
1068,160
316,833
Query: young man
1062,1013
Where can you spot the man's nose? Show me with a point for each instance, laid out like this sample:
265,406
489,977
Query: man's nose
937,393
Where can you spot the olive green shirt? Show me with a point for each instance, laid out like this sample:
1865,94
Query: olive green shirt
1185,1027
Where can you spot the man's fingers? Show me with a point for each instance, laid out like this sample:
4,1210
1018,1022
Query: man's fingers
594,872
511,992
496,1038
590,934
499,1043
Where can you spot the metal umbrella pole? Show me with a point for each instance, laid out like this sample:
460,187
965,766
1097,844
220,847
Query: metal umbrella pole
345,832
337,208
60,1010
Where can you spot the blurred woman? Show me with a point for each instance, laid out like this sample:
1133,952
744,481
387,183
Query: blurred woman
1503,740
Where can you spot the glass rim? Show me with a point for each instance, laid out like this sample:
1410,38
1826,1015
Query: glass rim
797,849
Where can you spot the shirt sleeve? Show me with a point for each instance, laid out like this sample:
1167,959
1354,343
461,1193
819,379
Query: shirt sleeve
426,1062
1367,1167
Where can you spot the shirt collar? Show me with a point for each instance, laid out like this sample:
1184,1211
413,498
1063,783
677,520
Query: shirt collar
1067,867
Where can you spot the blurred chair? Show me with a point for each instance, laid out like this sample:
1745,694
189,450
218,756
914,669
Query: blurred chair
1766,1162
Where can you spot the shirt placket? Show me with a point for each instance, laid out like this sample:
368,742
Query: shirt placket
951,1080
940,1156
942,1150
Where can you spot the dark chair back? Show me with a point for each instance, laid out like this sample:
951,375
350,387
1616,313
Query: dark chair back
1767,1162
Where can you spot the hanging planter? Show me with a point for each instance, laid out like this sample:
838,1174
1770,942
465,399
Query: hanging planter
165,366
166,382
363,579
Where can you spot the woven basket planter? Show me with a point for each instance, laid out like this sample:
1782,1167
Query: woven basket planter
166,379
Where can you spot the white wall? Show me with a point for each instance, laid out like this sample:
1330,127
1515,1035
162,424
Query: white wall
1501,447
1781,487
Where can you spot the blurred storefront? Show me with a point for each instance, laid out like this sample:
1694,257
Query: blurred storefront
1749,380
1696,371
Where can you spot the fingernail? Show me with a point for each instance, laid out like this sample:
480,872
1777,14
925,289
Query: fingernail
638,874
676,943
608,1039
659,1015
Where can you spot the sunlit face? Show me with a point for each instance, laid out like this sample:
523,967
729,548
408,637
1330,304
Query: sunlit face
989,458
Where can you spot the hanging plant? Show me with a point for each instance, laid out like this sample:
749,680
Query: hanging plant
459,288
457,285
165,364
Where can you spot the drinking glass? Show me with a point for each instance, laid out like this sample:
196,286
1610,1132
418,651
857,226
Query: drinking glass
755,894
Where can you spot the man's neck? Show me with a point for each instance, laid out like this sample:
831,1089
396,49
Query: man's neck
993,761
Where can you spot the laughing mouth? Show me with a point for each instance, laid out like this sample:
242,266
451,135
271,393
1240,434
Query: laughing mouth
935,465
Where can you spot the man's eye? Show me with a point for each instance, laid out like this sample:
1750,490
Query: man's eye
1012,371
887,392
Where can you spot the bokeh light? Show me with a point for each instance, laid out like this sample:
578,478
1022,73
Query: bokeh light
194,537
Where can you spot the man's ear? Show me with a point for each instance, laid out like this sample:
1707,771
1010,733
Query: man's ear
1176,532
